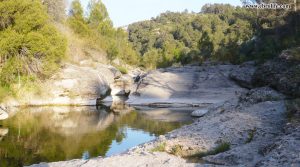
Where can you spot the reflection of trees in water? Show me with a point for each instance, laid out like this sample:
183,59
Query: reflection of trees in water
137,120
50,135
53,136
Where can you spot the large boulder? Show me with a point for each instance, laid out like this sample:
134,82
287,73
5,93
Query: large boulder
82,81
280,74
75,85
121,86
243,74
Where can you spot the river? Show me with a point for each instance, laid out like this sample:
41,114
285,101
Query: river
47,134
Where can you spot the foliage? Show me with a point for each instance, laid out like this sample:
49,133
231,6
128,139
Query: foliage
161,147
251,134
177,150
225,146
30,45
276,30
97,28
122,69
216,33
98,13
220,32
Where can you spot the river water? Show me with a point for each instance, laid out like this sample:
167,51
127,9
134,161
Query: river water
47,134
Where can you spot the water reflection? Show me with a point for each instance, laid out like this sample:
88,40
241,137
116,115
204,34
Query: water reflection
46,134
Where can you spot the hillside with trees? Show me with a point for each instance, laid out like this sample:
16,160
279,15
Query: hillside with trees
220,32
39,37
97,30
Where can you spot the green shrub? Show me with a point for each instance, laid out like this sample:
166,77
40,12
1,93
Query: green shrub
30,44
112,52
251,134
177,150
123,70
220,148
225,146
161,147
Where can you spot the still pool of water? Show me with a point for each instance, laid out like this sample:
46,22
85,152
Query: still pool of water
47,134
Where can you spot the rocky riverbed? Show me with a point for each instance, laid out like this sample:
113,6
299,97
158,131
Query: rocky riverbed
256,132
246,118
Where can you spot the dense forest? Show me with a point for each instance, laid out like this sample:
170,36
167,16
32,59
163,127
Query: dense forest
220,32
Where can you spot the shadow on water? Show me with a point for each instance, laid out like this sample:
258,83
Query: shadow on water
47,134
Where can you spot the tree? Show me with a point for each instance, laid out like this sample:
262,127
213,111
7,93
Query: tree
217,8
76,20
98,13
220,32
112,52
151,59
206,46
76,10
99,33
30,45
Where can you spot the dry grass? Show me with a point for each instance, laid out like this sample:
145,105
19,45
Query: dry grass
80,49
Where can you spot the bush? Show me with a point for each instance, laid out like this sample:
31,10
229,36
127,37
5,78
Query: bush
123,70
225,146
161,147
30,44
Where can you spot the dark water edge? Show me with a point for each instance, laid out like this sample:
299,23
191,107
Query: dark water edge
49,134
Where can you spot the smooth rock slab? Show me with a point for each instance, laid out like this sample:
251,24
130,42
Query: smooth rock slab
160,159
73,85
189,84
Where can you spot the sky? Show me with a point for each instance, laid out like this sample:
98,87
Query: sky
124,12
